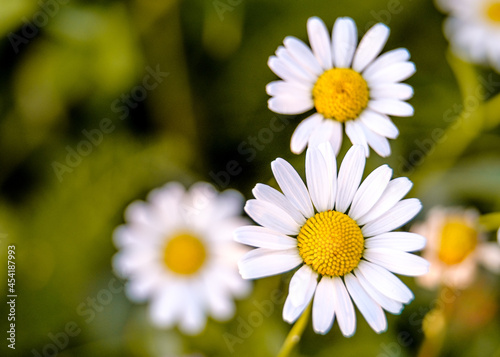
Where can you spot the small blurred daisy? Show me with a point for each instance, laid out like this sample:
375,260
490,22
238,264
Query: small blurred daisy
345,83
176,249
339,233
473,29
455,247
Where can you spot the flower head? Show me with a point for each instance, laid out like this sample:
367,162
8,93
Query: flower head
473,29
345,82
339,233
176,250
455,247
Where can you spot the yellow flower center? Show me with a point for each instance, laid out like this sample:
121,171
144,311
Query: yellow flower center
184,254
340,94
331,243
458,240
493,11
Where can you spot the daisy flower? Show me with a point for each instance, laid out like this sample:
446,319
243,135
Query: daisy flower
339,234
473,29
345,83
177,251
455,247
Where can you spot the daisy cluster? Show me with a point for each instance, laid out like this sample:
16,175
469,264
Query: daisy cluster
338,231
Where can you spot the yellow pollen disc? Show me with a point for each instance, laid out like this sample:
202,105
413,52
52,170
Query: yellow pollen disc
184,254
458,240
340,94
493,11
331,243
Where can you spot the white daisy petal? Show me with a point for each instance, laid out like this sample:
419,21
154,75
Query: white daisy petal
302,54
331,163
322,133
387,59
232,281
397,261
489,255
286,58
122,236
262,237
396,72
226,204
401,91
271,216
302,286
291,312
292,186
287,89
405,241
167,305
356,135
323,313
166,199
217,299
370,46
379,123
261,262
287,74
395,191
142,286
350,173
320,41
267,193
344,308
371,311
391,107
344,40
393,306
385,282
370,191
318,179
193,320
140,213
290,105
400,214
377,142
336,137
301,135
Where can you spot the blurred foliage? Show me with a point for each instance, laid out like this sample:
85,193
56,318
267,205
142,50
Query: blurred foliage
69,67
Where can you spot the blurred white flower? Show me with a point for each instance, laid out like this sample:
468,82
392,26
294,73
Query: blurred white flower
340,235
345,82
177,251
455,247
473,29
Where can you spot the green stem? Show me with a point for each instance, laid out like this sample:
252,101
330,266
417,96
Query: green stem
295,333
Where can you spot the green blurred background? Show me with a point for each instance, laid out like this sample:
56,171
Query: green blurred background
75,71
